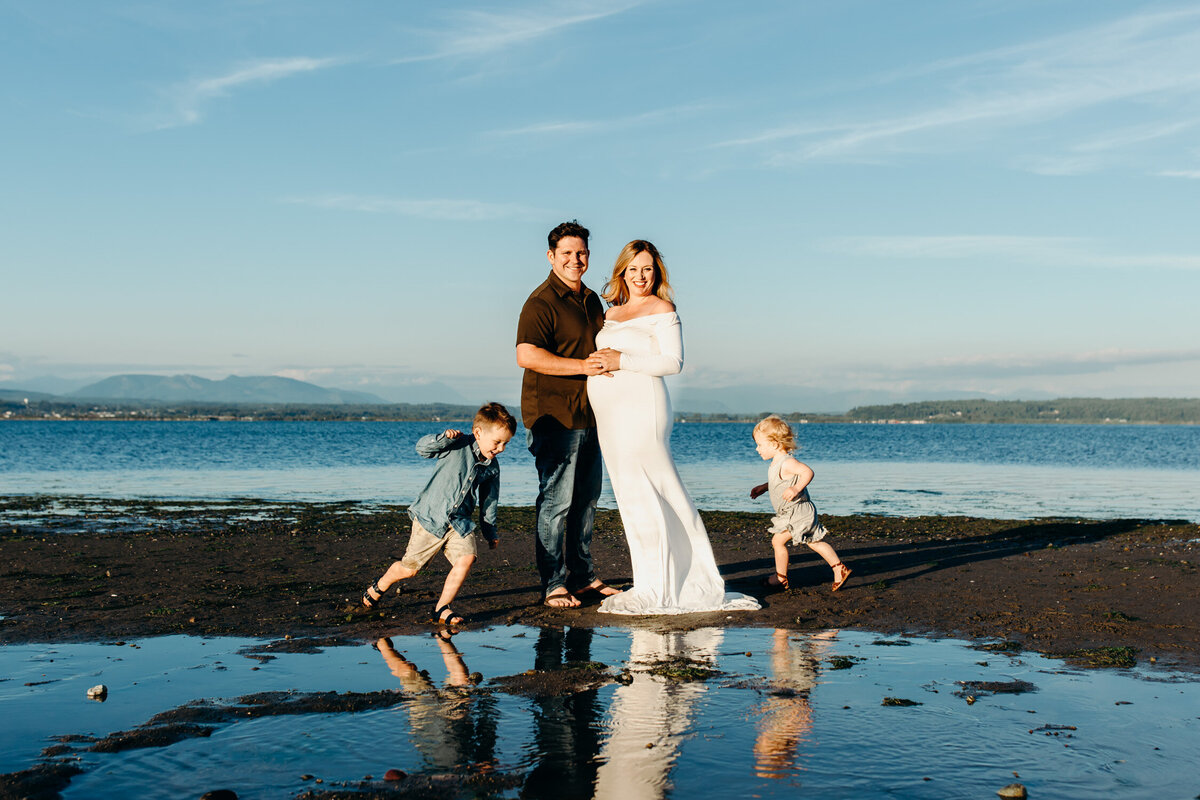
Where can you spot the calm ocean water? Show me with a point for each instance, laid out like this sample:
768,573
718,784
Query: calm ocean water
996,471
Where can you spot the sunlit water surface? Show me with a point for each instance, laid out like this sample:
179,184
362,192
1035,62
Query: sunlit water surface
777,717
992,471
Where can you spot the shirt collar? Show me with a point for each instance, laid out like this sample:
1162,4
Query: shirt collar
475,451
559,286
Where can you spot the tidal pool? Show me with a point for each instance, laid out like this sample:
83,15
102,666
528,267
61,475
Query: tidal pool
611,712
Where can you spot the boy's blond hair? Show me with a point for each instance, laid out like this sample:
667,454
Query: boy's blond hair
495,415
777,432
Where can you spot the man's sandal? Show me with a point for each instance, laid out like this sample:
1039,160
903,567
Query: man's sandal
563,599
599,587
840,573
780,581
371,602
447,616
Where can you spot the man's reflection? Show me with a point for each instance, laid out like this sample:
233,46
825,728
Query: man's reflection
451,728
565,736
651,714
786,717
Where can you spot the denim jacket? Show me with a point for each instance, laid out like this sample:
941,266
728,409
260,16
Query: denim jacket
448,499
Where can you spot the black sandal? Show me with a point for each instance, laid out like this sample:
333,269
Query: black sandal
450,615
371,602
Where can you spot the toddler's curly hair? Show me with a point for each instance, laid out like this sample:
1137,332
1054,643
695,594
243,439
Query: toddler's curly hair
778,432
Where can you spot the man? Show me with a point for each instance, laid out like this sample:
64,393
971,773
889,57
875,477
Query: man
555,335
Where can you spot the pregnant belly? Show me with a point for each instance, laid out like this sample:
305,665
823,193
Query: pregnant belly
625,395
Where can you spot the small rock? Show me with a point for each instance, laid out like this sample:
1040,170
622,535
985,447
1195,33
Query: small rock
98,692
394,775
219,794
1013,790
306,777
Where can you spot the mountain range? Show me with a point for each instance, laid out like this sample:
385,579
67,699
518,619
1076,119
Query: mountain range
234,389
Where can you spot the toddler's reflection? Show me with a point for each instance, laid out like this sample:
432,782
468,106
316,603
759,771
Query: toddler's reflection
786,716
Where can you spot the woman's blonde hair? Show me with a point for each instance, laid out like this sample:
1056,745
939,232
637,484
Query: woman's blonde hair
615,291
777,432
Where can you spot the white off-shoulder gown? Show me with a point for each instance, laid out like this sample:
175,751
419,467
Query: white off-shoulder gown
674,571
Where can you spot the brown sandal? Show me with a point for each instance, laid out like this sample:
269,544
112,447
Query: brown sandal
563,599
780,581
840,573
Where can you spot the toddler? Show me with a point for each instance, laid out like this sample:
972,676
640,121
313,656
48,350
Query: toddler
795,519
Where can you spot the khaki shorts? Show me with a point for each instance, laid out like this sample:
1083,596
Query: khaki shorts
423,545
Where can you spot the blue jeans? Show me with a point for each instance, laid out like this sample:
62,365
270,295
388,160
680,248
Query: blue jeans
569,470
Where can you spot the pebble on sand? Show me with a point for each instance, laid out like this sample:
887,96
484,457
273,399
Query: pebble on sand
1013,790
98,692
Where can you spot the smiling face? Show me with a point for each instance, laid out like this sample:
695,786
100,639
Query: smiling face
569,260
765,447
492,439
639,276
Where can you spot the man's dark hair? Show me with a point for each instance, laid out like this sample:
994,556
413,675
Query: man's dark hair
572,228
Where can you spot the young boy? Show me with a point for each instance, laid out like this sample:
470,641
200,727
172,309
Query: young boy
441,515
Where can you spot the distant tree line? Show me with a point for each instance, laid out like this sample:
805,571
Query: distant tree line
1067,409
1063,410
57,409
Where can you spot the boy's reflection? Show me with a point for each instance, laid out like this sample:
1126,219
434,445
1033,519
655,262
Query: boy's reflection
565,736
786,716
451,728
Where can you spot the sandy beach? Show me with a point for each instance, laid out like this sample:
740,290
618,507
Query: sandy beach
1098,592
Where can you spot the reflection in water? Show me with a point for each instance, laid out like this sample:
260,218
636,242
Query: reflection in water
786,716
650,715
565,735
450,728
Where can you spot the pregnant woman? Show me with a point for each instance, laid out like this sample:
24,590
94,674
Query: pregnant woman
674,571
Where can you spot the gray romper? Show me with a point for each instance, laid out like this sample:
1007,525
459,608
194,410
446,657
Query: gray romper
798,516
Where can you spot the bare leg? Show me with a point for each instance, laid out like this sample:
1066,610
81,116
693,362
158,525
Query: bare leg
779,543
454,582
396,572
840,570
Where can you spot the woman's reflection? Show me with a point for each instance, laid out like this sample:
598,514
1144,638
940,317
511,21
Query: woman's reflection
650,715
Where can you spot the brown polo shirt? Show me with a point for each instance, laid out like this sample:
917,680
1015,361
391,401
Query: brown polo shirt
565,323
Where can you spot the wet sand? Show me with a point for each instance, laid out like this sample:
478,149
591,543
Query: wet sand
1097,592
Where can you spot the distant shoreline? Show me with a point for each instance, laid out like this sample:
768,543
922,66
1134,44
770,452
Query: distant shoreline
1071,411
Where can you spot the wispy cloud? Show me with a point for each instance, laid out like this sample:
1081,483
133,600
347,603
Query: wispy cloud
571,127
434,209
1193,174
1144,61
1038,250
189,99
1018,365
473,32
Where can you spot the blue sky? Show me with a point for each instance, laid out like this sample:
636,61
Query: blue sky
857,201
